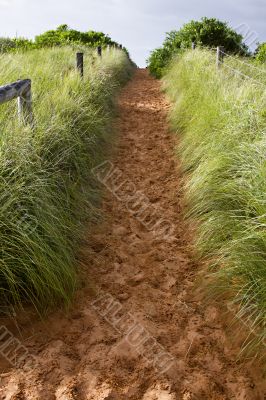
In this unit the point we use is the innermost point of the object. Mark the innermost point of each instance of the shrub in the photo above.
(6, 44)
(61, 36)
(158, 61)
(208, 32)
(261, 53)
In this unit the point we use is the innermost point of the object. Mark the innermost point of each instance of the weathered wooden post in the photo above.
(25, 113)
(80, 64)
(219, 56)
(99, 51)
(193, 45)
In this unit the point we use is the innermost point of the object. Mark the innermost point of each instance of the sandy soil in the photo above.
(136, 330)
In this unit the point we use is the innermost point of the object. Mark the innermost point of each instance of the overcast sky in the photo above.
(140, 25)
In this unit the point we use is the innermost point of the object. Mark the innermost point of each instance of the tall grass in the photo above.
(221, 118)
(48, 194)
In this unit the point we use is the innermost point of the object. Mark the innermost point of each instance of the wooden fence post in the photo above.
(80, 64)
(219, 56)
(25, 114)
(193, 45)
(99, 51)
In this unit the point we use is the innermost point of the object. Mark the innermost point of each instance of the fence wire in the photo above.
(237, 71)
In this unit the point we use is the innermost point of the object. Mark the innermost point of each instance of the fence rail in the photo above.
(14, 90)
(21, 90)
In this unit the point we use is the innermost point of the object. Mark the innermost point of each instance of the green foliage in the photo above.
(7, 45)
(208, 32)
(159, 60)
(222, 122)
(261, 53)
(24, 44)
(61, 36)
(48, 193)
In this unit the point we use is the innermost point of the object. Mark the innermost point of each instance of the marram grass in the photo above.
(221, 118)
(47, 192)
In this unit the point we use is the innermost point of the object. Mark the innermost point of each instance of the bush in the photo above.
(6, 45)
(261, 53)
(222, 120)
(158, 61)
(48, 194)
(208, 32)
(61, 36)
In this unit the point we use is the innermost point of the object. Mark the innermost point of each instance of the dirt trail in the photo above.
(89, 354)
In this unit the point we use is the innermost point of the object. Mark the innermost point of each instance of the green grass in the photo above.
(48, 194)
(221, 120)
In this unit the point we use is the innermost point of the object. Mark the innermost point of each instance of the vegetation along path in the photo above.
(136, 329)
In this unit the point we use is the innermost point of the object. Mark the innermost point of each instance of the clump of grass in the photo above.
(48, 194)
(221, 117)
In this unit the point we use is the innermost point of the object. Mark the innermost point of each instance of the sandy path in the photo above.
(157, 342)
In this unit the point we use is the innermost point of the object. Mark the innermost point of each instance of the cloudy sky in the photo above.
(139, 24)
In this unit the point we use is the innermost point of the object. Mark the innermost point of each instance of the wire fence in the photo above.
(221, 57)
(236, 71)
(244, 63)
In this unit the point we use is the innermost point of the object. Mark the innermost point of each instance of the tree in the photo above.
(209, 32)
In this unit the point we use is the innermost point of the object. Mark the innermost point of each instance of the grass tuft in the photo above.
(221, 118)
(47, 192)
